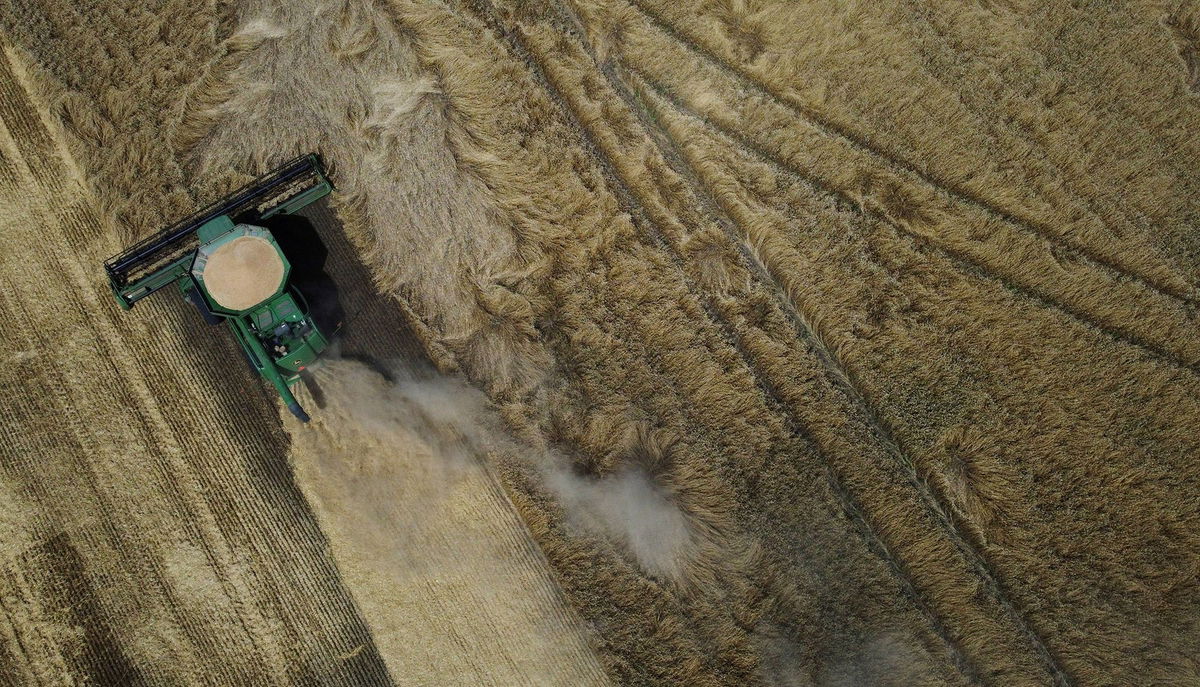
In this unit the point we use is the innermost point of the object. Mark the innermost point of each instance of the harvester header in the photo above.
(233, 270)
(285, 190)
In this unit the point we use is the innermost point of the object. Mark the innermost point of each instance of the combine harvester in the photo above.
(232, 269)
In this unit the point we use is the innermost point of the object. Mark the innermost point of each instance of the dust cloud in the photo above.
(449, 426)
(631, 510)
(20, 357)
(442, 567)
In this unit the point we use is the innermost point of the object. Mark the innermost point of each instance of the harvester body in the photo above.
(235, 272)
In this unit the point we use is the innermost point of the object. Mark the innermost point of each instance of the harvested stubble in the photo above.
(895, 302)
(150, 531)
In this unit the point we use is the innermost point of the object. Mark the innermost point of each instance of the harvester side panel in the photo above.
(265, 365)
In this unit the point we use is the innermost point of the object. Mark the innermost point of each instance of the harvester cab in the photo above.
(233, 270)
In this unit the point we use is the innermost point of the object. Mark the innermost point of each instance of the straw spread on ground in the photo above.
(885, 312)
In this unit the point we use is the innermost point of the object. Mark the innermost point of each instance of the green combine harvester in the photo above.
(231, 267)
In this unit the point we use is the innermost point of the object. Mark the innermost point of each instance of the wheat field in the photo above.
(696, 343)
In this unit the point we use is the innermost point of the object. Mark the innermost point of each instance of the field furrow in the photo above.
(1045, 276)
(845, 379)
(839, 489)
(781, 280)
(201, 525)
(1140, 266)
(838, 372)
(778, 236)
(144, 444)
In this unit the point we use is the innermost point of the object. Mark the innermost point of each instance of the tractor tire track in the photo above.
(839, 373)
(1123, 305)
(1088, 255)
(926, 25)
(847, 502)
(966, 262)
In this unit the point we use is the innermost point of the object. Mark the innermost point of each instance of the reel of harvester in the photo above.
(233, 270)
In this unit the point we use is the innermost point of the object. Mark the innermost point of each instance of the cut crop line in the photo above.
(62, 400)
(969, 264)
(550, 592)
(32, 142)
(774, 399)
(296, 524)
(16, 452)
(22, 594)
(115, 537)
(223, 481)
(840, 374)
(195, 524)
(858, 140)
(8, 173)
(216, 544)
